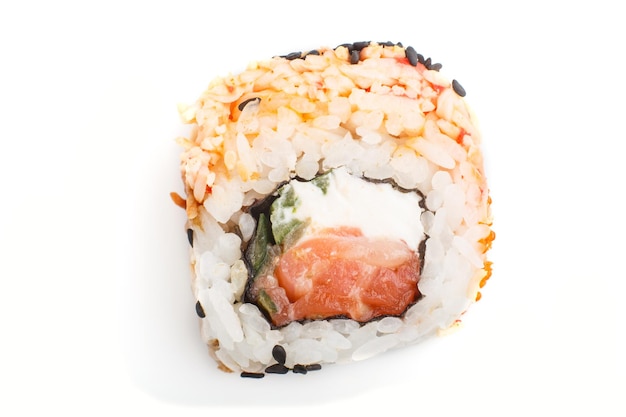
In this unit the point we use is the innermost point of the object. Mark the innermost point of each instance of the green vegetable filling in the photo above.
(265, 301)
(287, 234)
(285, 227)
(257, 251)
(276, 231)
(322, 182)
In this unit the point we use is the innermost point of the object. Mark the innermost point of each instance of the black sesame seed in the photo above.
(313, 52)
(313, 367)
(190, 237)
(458, 88)
(293, 55)
(427, 63)
(200, 310)
(355, 56)
(436, 67)
(411, 55)
(399, 44)
(420, 59)
(277, 368)
(256, 375)
(388, 43)
(360, 45)
(278, 353)
(243, 104)
(299, 369)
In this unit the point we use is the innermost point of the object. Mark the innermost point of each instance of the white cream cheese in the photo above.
(377, 209)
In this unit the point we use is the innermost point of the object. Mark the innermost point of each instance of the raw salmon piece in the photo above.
(340, 272)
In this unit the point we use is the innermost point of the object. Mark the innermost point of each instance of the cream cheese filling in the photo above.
(342, 200)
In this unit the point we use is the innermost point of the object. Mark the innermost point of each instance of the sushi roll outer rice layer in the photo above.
(337, 207)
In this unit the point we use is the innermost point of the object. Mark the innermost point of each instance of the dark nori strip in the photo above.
(190, 237)
(200, 310)
(243, 104)
(299, 369)
(395, 186)
(458, 88)
(256, 375)
(421, 253)
(277, 368)
(263, 206)
(411, 55)
(355, 57)
(422, 202)
(278, 353)
(313, 367)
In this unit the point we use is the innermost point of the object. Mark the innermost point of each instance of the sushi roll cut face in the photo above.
(337, 245)
(337, 207)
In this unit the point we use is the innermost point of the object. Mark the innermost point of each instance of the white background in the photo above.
(96, 310)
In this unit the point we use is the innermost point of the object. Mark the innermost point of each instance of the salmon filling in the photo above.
(342, 273)
(307, 266)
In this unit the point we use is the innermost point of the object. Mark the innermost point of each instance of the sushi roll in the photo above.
(337, 207)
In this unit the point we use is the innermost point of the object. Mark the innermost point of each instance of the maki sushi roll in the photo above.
(337, 207)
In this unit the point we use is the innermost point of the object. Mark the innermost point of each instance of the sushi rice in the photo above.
(378, 113)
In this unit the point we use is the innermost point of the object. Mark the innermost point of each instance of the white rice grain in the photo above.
(375, 346)
(223, 202)
(212, 269)
(316, 329)
(335, 340)
(230, 323)
(292, 331)
(307, 168)
(246, 225)
(454, 202)
(329, 122)
(433, 153)
(344, 326)
(238, 277)
(465, 248)
(389, 325)
(228, 248)
(303, 350)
